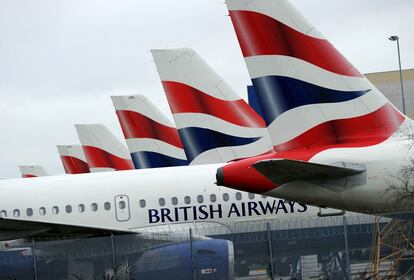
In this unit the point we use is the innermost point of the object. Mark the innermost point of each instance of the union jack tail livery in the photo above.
(30, 171)
(73, 159)
(310, 95)
(103, 151)
(214, 123)
(152, 139)
(338, 140)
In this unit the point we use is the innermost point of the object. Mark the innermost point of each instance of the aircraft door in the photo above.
(122, 208)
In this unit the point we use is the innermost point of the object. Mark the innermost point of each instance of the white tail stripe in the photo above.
(35, 170)
(299, 120)
(216, 124)
(187, 67)
(226, 154)
(101, 169)
(141, 105)
(97, 135)
(154, 145)
(72, 151)
(286, 66)
(280, 10)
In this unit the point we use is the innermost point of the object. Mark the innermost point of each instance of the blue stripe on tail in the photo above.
(277, 94)
(198, 140)
(153, 160)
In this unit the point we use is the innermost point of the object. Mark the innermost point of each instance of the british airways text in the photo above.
(215, 211)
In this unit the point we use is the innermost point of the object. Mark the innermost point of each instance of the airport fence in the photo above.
(314, 248)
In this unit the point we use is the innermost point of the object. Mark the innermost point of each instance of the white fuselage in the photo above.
(140, 199)
(389, 169)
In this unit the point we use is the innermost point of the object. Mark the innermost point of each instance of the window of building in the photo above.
(142, 203)
(187, 200)
(226, 197)
(29, 212)
(81, 208)
(238, 196)
(94, 207)
(251, 195)
(200, 199)
(68, 209)
(161, 201)
(107, 206)
(55, 210)
(16, 213)
(3, 213)
(174, 201)
(42, 211)
(213, 197)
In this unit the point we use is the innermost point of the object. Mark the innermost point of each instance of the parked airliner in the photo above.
(339, 142)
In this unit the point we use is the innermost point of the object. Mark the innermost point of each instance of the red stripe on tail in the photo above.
(186, 99)
(98, 158)
(259, 34)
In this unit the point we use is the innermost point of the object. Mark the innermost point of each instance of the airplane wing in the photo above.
(281, 171)
(17, 228)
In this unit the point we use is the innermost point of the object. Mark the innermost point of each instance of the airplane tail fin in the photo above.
(30, 171)
(152, 139)
(103, 151)
(73, 159)
(311, 96)
(214, 123)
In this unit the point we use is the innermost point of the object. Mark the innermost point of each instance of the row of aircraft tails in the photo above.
(318, 133)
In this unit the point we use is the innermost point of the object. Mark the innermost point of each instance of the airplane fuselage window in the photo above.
(42, 211)
(187, 200)
(94, 207)
(213, 197)
(29, 212)
(68, 209)
(226, 197)
(16, 213)
(122, 205)
(55, 210)
(142, 203)
(174, 201)
(161, 201)
(81, 208)
(107, 206)
(238, 196)
(264, 196)
(251, 195)
(200, 199)
(3, 213)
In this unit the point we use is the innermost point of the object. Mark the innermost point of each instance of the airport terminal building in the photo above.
(389, 84)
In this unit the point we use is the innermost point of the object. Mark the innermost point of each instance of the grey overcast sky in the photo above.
(60, 60)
